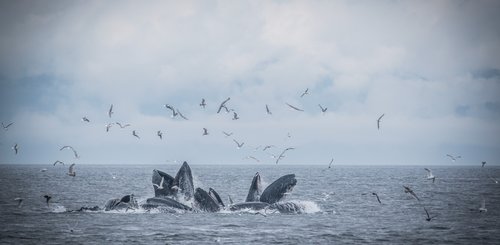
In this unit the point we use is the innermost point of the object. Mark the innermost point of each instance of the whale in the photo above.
(204, 202)
(181, 185)
(165, 203)
(276, 190)
(168, 183)
(126, 202)
(184, 181)
(255, 189)
(249, 205)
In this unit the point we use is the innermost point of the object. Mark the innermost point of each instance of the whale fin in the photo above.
(276, 190)
(255, 189)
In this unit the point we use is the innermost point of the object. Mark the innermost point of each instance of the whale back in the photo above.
(255, 189)
(184, 181)
(276, 190)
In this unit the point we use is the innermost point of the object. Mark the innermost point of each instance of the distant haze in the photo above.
(432, 67)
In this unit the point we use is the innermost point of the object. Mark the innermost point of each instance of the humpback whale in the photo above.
(205, 202)
(181, 184)
(216, 197)
(184, 181)
(166, 187)
(255, 189)
(126, 202)
(155, 202)
(276, 190)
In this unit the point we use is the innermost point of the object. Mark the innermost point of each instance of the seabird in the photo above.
(122, 125)
(429, 175)
(482, 164)
(378, 121)
(56, 162)
(322, 109)
(15, 148)
(43, 170)
(174, 113)
(160, 134)
(235, 116)
(267, 147)
(293, 107)
(453, 158)
(110, 112)
(47, 199)
(85, 119)
(135, 134)
(227, 134)
(408, 190)
(160, 187)
(19, 201)
(305, 92)
(71, 171)
(283, 154)
(238, 144)
(429, 218)
(494, 180)
(180, 114)
(69, 147)
(205, 131)
(378, 199)
(252, 157)
(330, 164)
(223, 105)
(202, 104)
(268, 111)
(6, 127)
(108, 126)
(483, 209)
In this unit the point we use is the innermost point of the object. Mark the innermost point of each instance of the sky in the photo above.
(431, 67)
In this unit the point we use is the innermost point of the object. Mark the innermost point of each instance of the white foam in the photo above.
(58, 209)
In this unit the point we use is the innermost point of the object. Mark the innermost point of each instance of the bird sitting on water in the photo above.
(71, 171)
(429, 175)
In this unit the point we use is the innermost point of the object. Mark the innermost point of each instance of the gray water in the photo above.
(336, 209)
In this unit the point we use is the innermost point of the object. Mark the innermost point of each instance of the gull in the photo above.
(69, 147)
(252, 157)
(378, 199)
(43, 170)
(160, 187)
(71, 171)
(268, 111)
(174, 113)
(6, 127)
(180, 114)
(408, 190)
(429, 175)
(293, 107)
(108, 126)
(283, 154)
(15, 148)
(267, 147)
(19, 201)
(494, 180)
(202, 104)
(322, 109)
(56, 162)
(235, 116)
(160, 134)
(205, 131)
(239, 144)
(429, 218)
(453, 158)
(483, 209)
(85, 119)
(223, 105)
(482, 164)
(122, 125)
(110, 112)
(305, 92)
(378, 121)
(330, 164)
(227, 134)
(47, 199)
(135, 134)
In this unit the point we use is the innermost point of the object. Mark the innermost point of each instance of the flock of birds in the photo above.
(224, 107)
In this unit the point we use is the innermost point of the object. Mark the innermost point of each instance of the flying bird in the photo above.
(235, 116)
(47, 199)
(108, 126)
(378, 199)
(19, 201)
(293, 107)
(330, 164)
(322, 109)
(453, 158)
(205, 131)
(252, 157)
(122, 125)
(71, 170)
(223, 105)
(56, 162)
(6, 127)
(15, 148)
(282, 155)
(202, 104)
(69, 147)
(429, 175)
(135, 134)
(227, 134)
(267, 147)
(378, 121)
(160, 134)
(305, 92)
(160, 187)
(110, 112)
(239, 145)
(180, 114)
(85, 119)
(408, 190)
(174, 112)
(429, 218)
(268, 111)
(482, 164)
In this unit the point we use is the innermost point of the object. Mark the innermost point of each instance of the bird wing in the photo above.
(381, 117)
(180, 114)
(236, 142)
(71, 168)
(223, 104)
(110, 110)
(428, 216)
(293, 107)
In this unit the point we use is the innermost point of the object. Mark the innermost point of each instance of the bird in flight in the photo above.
(408, 190)
(268, 111)
(293, 107)
(223, 105)
(203, 104)
(378, 121)
(85, 119)
(282, 155)
(205, 131)
(267, 147)
(330, 164)
(108, 126)
(160, 187)
(19, 201)
(482, 164)
(160, 134)
(453, 158)
(56, 162)
(73, 149)
(174, 113)
(235, 116)
(322, 109)
(239, 144)
(135, 134)
(429, 218)
(6, 127)
(15, 148)
(305, 92)
(429, 175)
(252, 157)
(122, 125)
(227, 134)
(71, 171)
(110, 112)
(47, 199)
(180, 114)
(378, 199)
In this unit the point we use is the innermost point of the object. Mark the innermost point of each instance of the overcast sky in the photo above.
(432, 67)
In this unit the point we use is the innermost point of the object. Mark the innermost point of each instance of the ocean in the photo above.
(339, 206)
